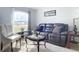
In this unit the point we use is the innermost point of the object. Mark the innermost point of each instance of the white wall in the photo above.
(63, 15)
(5, 15)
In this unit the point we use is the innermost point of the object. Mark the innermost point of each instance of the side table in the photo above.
(70, 34)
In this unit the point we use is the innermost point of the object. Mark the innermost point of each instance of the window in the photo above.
(20, 21)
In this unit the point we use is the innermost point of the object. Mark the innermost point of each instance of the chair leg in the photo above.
(11, 47)
(16, 42)
(27, 47)
(1, 45)
(46, 40)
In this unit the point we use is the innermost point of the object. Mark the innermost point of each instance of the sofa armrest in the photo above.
(64, 37)
(63, 33)
(54, 35)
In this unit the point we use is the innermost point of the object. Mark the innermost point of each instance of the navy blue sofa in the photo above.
(57, 36)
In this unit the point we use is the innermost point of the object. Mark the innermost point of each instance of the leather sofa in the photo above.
(56, 32)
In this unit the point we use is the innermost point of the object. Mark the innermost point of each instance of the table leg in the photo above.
(11, 47)
(26, 40)
(20, 42)
(38, 46)
(26, 44)
(45, 44)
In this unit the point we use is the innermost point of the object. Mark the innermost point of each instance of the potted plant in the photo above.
(75, 29)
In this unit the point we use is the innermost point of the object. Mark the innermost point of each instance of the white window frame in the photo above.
(13, 20)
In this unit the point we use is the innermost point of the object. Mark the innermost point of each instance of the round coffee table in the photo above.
(36, 38)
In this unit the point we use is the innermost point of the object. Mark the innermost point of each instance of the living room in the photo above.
(36, 16)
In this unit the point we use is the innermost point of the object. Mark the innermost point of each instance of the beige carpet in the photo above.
(75, 46)
(33, 48)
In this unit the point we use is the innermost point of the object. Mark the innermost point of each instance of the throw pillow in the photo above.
(57, 29)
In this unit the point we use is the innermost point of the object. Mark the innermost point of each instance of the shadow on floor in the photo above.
(14, 50)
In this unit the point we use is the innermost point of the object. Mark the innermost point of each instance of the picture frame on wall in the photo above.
(50, 13)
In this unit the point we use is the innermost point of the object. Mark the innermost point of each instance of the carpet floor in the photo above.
(33, 48)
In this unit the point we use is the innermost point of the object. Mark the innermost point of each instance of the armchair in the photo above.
(4, 41)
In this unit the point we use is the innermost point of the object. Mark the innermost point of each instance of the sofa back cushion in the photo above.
(41, 27)
(49, 27)
(64, 26)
